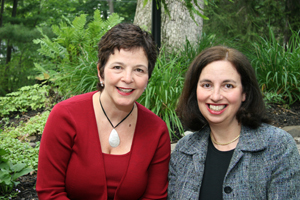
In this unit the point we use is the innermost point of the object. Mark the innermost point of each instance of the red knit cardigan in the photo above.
(71, 162)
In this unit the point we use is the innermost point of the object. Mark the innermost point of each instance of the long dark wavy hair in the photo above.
(252, 110)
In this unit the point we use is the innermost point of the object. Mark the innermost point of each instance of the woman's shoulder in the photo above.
(152, 127)
(192, 141)
(151, 117)
(78, 103)
(195, 135)
(77, 100)
(275, 136)
(272, 131)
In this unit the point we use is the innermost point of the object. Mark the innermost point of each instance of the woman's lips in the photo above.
(125, 91)
(216, 109)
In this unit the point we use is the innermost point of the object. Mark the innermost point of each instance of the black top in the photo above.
(216, 165)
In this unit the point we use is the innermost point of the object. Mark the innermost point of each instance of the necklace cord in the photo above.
(109, 119)
(223, 144)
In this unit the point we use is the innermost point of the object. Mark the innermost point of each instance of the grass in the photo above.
(164, 89)
(278, 68)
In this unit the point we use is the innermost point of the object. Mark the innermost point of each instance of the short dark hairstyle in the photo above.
(128, 37)
(252, 110)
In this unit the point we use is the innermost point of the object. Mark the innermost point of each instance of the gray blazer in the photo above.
(264, 165)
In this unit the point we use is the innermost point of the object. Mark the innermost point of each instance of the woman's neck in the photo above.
(112, 110)
(226, 135)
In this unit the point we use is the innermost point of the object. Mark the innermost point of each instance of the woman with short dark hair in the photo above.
(103, 144)
(233, 153)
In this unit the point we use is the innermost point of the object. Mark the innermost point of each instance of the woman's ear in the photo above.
(98, 70)
(244, 97)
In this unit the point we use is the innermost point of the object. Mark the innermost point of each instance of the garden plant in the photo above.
(70, 66)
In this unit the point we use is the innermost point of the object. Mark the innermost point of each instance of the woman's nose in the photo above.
(127, 77)
(216, 95)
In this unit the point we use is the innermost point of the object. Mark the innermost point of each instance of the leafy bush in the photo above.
(16, 140)
(35, 125)
(278, 67)
(9, 173)
(20, 152)
(73, 53)
(190, 51)
(26, 98)
(163, 90)
(273, 97)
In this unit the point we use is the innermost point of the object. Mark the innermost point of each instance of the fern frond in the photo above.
(74, 51)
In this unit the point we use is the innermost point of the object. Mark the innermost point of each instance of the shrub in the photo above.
(25, 99)
(163, 90)
(35, 125)
(73, 53)
(20, 152)
(9, 173)
(15, 140)
(277, 67)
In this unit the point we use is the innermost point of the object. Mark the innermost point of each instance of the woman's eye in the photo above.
(206, 85)
(140, 70)
(117, 67)
(229, 86)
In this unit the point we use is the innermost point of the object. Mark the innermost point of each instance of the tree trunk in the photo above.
(111, 6)
(1, 19)
(9, 46)
(143, 15)
(180, 27)
(1, 13)
(174, 29)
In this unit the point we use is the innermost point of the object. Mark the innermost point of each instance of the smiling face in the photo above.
(220, 93)
(125, 77)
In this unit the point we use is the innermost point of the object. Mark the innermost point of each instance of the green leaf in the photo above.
(21, 173)
(18, 167)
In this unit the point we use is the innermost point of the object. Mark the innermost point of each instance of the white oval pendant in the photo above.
(114, 139)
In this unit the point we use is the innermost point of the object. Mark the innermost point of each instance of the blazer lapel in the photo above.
(196, 147)
(250, 140)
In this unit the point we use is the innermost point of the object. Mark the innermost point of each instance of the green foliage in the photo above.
(14, 76)
(20, 152)
(16, 48)
(278, 67)
(164, 89)
(18, 54)
(26, 98)
(125, 9)
(9, 173)
(273, 97)
(190, 51)
(34, 126)
(16, 140)
(243, 19)
(73, 52)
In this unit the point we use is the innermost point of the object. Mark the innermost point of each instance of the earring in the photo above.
(101, 83)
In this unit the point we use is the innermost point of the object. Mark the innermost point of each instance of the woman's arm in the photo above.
(54, 154)
(285, 178)
(172, 175)
(158, 170)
